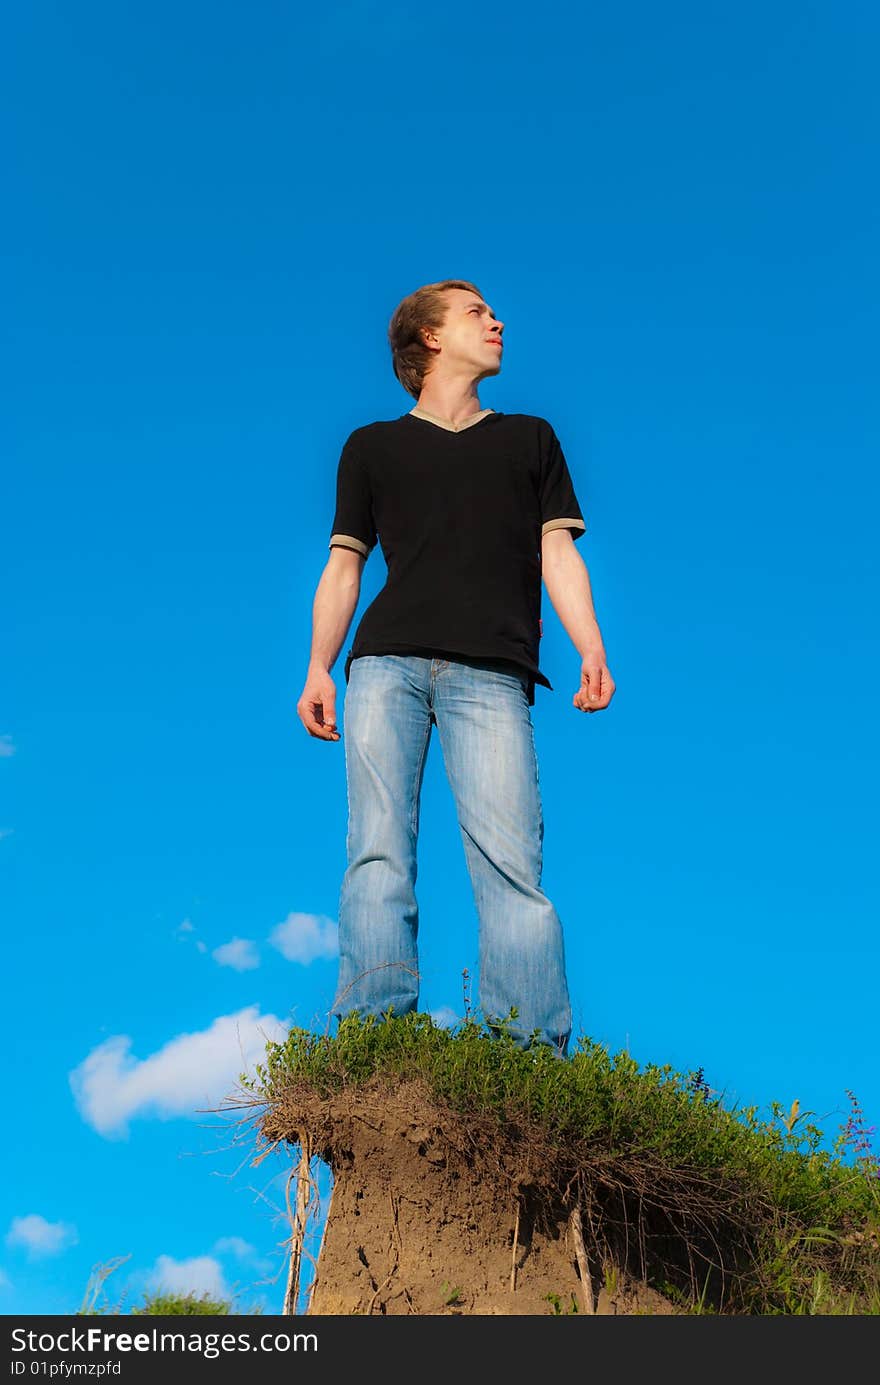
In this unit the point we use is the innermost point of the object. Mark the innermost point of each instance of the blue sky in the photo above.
(211, 216)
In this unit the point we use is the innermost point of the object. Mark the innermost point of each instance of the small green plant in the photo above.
(153, 1305)
(452, 1294)
(162, 1305)
(556, 1308)
(698, 1307)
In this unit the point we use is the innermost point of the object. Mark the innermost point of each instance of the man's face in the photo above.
(470, 338)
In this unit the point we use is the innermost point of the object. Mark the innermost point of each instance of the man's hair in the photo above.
(426, 307)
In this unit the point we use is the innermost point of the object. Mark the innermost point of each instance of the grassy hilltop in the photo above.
(720, 1210)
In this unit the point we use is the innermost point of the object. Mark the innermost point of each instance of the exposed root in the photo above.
(577, 1236)
(298, 1219)
(515, 1249)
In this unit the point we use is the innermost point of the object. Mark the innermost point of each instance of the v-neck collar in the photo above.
(444, 422)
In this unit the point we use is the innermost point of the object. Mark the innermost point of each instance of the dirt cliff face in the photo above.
(435, 1214)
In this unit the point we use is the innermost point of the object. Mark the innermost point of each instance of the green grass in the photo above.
(781, 1224)
(96, 1301)
(166, 1305)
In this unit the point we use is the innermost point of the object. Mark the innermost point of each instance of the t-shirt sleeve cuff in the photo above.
(347, 541)
(577, 524)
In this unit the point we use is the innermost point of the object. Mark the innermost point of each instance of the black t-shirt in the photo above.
(459, 516)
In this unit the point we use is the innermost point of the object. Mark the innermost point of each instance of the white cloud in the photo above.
(39, 1237)
(185, 926)
(200, 1275)
(243, 1250)
(240, 954)
(305, 937)
(6, 746)
(190, 1074)
(445, 1017)
(234, 1245)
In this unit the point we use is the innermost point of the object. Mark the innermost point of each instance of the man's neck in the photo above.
(451, 402)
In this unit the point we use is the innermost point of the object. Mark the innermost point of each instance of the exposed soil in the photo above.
(433, 1215)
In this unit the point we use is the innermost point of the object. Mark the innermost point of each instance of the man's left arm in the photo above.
(568, 586)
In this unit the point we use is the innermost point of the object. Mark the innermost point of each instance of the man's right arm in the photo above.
(335, 603)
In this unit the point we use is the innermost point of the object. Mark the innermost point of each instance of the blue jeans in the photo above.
(485, 727)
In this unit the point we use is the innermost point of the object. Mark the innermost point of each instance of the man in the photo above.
(471, 507)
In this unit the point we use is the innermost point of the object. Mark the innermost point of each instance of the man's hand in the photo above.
(317, 706)
(597, 685)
